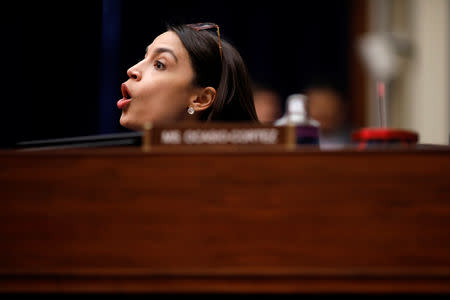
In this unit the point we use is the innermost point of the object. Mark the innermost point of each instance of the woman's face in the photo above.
(160, 86)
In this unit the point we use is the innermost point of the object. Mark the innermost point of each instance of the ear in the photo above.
(204, 99)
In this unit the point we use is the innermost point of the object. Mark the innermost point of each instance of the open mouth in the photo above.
(125, 92)
(123, 103)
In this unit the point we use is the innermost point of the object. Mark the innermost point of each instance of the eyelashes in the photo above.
(158, 65)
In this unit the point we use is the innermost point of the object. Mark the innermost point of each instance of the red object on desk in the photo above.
(365, 136)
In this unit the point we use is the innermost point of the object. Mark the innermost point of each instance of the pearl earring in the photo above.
(190, 110)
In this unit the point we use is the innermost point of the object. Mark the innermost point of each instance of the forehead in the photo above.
(170, 40)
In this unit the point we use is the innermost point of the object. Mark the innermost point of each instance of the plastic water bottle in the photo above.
(306, 129)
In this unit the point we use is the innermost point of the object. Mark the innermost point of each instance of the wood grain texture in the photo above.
(119, 220)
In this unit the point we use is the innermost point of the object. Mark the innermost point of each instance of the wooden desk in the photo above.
(119, 220)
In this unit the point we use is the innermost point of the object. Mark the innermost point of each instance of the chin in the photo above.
(125, 122)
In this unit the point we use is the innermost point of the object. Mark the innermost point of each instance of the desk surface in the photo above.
(120, 220)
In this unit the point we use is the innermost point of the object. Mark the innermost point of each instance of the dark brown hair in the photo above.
(227, 74)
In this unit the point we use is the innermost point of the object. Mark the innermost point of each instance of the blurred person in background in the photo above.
(327, 106)
(268, 103)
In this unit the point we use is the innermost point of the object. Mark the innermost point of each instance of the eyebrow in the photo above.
(162, 50)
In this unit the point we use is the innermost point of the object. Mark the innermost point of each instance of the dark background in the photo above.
(63, 62)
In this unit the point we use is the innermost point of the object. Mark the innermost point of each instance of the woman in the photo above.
(188, 73)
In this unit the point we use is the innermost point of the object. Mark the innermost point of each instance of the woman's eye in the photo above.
(159, 65)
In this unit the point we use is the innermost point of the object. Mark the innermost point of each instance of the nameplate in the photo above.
(218, 134)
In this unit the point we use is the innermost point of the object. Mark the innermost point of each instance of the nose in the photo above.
(134, 73)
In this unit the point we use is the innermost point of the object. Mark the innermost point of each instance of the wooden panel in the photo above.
(281, 222)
